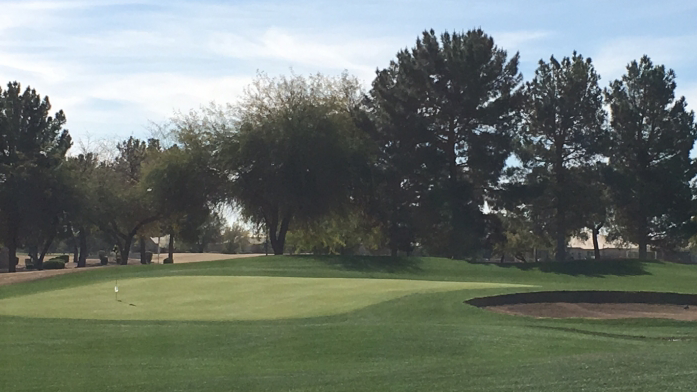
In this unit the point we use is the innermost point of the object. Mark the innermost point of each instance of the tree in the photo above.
(336, 234)
(562, 135)
(199, 231)
(295, 152)
(443, 115)
(32, 146)
(232, 238)
(651, 139)
(184, 187)
(82, 212)
(123, 205)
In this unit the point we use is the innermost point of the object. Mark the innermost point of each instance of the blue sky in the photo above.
(115, 66)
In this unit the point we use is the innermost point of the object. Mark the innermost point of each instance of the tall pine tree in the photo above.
(652, 135)
(562, 135)
(445, 112)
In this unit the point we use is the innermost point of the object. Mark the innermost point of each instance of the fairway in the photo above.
(222, 298)
(338, 324)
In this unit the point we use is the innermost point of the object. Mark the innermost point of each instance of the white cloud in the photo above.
(112, 65)
(518, 40)
(611, 60)
(359, 55)
(690, 94)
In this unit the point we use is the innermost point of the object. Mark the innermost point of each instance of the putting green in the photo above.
(222, 297)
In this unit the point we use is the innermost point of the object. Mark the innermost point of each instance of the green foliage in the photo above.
(520, 238)
(33, 145)
(64, 258)
(652, 136)
(561, 140)
(103, 258)
(199, 230)
(55, 263)
(233, 238)
(336, 234)
(442, 115)
(124, 207)
(296, 153)
(167, 260)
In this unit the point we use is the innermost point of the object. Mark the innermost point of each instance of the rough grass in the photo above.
(427, 341)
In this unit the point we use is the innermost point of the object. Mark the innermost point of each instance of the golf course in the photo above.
(307, 323)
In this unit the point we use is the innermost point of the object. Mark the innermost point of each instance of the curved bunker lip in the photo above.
(593, 304)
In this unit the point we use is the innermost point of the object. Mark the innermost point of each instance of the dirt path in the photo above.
(599, 311)
(24, 276)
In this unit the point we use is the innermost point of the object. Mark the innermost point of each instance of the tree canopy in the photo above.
(443, 114)
(562, 137)
(448, 154)
(651, 139)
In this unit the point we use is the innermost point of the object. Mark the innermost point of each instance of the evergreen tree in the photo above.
(443, 115)
(562, 136)
(652, 135)
(32, 146)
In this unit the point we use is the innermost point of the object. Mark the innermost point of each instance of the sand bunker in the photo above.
(593, 304)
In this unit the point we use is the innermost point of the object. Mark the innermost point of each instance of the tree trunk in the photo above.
(170, 249)
(82, 261)
(40, 260)
(126, 249)
(596, 248)
(76, 251)
(643, 239)
(561, 205)
(278, 239)
(642, 248)
(143, 259)
(73, 242)
(282, 235)
(12, 253)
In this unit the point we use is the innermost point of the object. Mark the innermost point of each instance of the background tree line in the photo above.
(449, 153)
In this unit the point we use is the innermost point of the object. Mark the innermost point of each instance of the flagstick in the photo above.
(116, 291)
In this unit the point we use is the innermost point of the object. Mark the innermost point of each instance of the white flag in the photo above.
(116, 289)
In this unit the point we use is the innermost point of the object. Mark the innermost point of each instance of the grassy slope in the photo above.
(429, 342)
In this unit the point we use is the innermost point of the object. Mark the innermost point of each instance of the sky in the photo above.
(116, 67)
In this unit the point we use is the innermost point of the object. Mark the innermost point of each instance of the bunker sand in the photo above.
(599, 311)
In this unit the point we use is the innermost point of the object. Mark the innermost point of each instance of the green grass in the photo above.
(392, 335)
(222, 297)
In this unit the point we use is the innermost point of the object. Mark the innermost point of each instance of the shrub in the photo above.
(28, 264)
(63, 258)
(103, 258)
(168, 261)
(54, 263)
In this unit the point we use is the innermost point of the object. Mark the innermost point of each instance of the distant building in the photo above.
(580, 249)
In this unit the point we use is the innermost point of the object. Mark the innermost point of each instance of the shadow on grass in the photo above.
(591, 268)
(373, 263)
